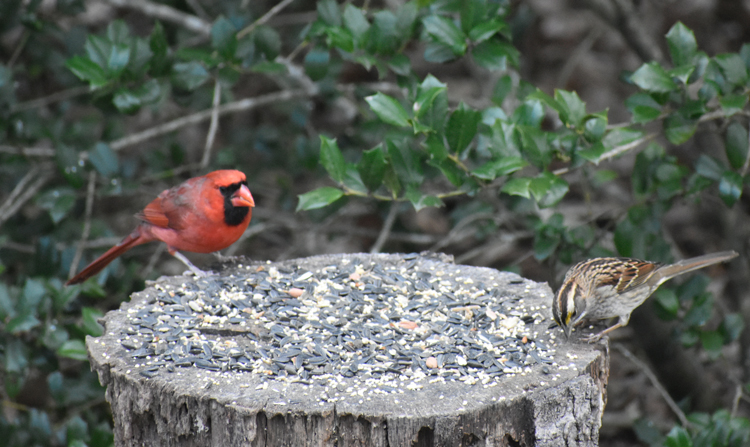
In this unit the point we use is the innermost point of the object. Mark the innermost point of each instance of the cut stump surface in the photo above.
(348, 350)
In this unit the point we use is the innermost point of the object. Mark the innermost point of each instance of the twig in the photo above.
(626, 147)
(294, 18)
(15, 405)
(49, 99)
(198, 8)
(251, 231)
(19, 188)
(614, 152)
(86, 224)
(27, 151)
(298, 73)
(310, 89)
(103, 242)
(572, 62)
(293, 54)
(21, 248)
(384, 87)
(25, 197)
(19, 48)
(71, 413)
(655, 382)
(195, 118)
(214, 127)
(495, 249)
(736, 402)
(264, 18)
(453, 234)
(23, 193)
(169, 173)
(166, 13)
(153, 260)
(96, 243)
(387, 227)
(621, 15)
(746, 165)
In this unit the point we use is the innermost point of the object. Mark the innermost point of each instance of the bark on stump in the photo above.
(555, 397)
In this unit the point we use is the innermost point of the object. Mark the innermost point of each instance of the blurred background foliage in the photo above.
(518, 135)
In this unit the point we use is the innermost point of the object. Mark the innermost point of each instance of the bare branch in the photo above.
(198, 8)
(214, 127)
(387, 227)
(196, 118)
(384, 87)
(736, 402)
(746, 165)
(309, 89)
(103, 242)
(19, 48)
(614, 152)
(49, 99)
(295, 18)
(169, 173)
(298, 73)
(21, 248)
(264, 18)
(166, 13)
(19, 188)
(11, 207)
(251, 231)
(153, 260)
(490, 251)
(28, 151)
(655, 382)
(455, 231)
(86, 224)
(622, 15)
(580, 51)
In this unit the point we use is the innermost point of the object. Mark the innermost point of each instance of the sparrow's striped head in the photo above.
(568, 307)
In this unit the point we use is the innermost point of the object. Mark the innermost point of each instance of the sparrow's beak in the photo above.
(567, 329)
(243, 197)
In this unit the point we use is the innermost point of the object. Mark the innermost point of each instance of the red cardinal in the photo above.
(202, 215)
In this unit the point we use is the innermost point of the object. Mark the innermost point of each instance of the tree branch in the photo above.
(49, 99)
(166, 13)
(27, 151)
(196, 118)
(264, 18)
(214, 127)
(86, 224)
(22, 194)
(614, 152)
(386, 230)
(655, 382)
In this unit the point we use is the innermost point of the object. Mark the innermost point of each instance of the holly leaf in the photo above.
(372, 168)
(318, 198)
(332, 159)
(388, 109)
(445, 32)
(653, 78)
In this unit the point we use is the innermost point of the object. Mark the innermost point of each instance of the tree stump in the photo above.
(348, 350)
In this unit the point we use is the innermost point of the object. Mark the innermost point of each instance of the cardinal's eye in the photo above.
(223, 189)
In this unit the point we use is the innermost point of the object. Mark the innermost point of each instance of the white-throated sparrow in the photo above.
(602, 288)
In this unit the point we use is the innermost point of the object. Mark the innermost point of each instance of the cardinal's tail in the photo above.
(130, 241)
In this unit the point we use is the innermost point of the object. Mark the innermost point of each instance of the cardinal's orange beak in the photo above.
(243, 197)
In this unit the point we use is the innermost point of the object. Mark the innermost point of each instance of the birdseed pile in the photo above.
(362, 318)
